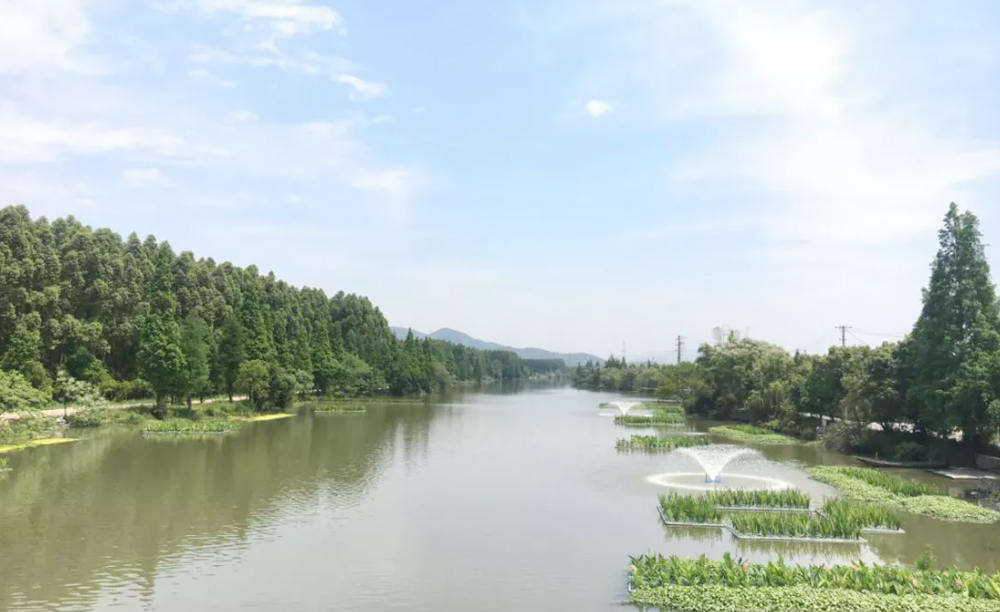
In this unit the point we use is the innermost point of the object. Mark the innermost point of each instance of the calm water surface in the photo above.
(485, 502)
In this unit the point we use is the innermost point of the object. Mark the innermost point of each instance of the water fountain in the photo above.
(623, 406)
(713, 461)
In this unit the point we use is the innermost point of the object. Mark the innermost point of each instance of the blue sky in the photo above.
(561, 174)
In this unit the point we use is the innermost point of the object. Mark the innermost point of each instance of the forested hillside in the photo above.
(137, 319)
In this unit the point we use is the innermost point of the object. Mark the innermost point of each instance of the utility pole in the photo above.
(843, 333)
(680, 347)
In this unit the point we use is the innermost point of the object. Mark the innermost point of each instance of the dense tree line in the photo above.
(944, 377)
(136, 319)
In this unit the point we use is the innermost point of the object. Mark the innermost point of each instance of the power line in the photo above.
(883, 335)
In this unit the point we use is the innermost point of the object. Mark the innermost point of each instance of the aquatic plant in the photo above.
(800, 598)
(689, 508)
(10, 448)
(4, 462)
(660, 418)
(655, 571)
(786, 498)
(862, 514)
(184, 426)
(858, 483)
(794, 524)
(751, 434)
(888, 481)
(656, 443)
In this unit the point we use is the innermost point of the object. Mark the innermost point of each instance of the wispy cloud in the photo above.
(141, 177)
(597, 108)
(362, 89)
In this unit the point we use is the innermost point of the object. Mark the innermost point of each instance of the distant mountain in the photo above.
(457, 337)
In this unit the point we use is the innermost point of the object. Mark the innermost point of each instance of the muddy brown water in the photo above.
(479, 501)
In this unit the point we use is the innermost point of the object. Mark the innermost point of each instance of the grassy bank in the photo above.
(656, 443)
(700, 584)
(872, 485)
(751, 434)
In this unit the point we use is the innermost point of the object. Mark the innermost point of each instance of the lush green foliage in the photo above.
(654, 571)
(953, 350)
(751, 434)
(110, 311)
(689, 508)
(941, 506)
(27, 427)
(16, 393)
(939, 380)
(785, 498)
(656, 443)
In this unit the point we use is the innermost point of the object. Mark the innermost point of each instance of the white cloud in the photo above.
(597, 108)
(282, 19)
(27, 139)
(37, 36)
(395, 183)
(141, 177)
(362, 89)
(244, 116)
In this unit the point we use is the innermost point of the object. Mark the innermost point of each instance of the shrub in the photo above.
(17, 394)
(94, 416)
(133, 389)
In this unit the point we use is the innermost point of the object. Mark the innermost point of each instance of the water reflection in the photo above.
(112, 508)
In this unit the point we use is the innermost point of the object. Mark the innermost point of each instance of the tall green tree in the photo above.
(955, 340)
(161, 360)
(230, 353)
(195, 338)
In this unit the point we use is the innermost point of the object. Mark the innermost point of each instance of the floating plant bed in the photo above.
(733, 584)
(656, 443)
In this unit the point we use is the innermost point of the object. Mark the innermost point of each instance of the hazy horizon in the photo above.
(565, 176)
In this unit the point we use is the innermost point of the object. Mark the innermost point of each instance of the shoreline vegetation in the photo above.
(212, 417)
(930, 397)
(702, 585)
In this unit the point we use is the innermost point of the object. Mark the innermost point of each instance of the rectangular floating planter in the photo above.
(763, 509)
(783, 538)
